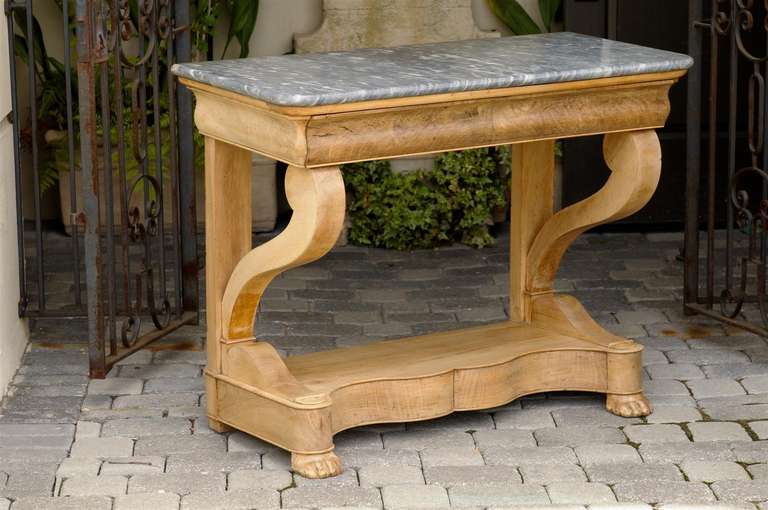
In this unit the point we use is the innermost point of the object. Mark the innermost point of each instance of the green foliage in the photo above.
(242, 22)
(514, 16)
(56, 158)
(423, 209)
(50, 75)
(203, 23)
(517, 19)
(548, 10)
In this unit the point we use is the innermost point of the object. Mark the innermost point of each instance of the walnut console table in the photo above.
(318, 111)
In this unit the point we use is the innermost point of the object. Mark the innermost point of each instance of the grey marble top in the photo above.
(424, 69)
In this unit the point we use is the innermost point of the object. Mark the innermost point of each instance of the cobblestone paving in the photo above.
(139, 440)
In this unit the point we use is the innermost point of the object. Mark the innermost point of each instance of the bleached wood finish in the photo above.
(531, 203)
(318, 203)
(346, 137)
(550, 341)
(228, 238)
(318, 136)
(635, 161)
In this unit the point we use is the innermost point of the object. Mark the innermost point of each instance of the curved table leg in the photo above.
(318, 202)
(542, 238)
(247, 382)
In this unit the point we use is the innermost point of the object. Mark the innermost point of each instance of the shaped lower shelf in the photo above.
(463, 369)
(299, 402)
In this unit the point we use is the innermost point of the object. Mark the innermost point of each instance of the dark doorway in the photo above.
(659, 24)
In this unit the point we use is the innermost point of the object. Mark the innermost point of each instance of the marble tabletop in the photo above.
(424, 69)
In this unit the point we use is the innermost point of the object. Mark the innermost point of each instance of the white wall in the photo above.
(13, 331)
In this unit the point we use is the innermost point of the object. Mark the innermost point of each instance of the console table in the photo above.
(318, 111)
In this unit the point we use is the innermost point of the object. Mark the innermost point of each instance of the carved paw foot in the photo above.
(321, 465)
(628, 406)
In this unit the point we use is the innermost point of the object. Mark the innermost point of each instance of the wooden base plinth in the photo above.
(433, 375)
(424, 377)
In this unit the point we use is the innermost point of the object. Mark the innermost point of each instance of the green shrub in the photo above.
(423, 209)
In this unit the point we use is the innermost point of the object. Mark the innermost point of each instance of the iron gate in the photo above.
(726, 279)
(109, 122)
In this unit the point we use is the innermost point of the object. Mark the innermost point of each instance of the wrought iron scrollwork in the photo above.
(105, 33)
(736, 268)
(129, 35)
(745, 22)
(114, 89)
(147, 29)
(747, 187)
(142, 228)
(164, 22)
(752, 221)
(721, 18)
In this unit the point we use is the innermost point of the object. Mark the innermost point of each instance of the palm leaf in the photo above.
(514, 16)
(41, 55)
(20, 48)
(243, 20)
(548, 10)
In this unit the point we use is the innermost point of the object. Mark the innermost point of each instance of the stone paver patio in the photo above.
(139, 440)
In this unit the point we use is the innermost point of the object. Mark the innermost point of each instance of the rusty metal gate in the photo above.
(107, 125)
(727, 184)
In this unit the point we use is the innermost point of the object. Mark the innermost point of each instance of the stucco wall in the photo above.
(280, 19)
(13, 331)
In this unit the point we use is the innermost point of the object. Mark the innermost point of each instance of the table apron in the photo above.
(337, 138)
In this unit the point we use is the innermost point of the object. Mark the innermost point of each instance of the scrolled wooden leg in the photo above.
(316, 465)
(635, 161)
(317, 198)
(247, 382)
